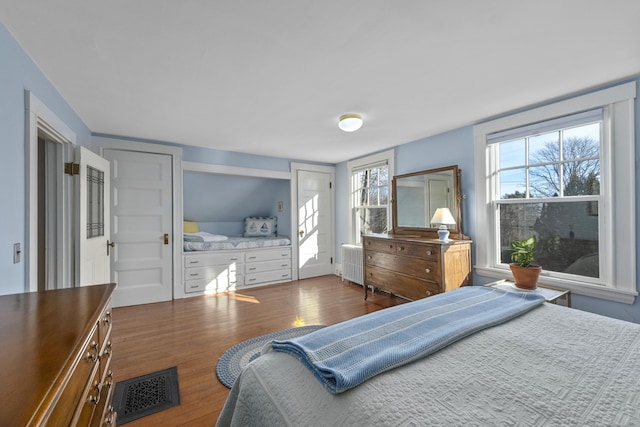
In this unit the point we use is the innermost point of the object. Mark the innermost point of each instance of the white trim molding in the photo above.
(618, 231)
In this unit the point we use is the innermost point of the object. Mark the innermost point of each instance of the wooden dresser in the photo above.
(415, 267)
(55, 357)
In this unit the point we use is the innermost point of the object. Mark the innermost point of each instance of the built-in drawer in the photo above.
(218, 258)
(267, 255)
(379, 245)
(259, 267)
(90, 400)
(211, 271)
(399, 284)
(214, 284)
(268, 276)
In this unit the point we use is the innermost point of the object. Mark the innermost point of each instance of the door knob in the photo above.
(110, 245)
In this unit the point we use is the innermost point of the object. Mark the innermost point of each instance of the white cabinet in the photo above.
(221, 271)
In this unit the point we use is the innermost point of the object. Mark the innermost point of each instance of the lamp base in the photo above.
(443, 233)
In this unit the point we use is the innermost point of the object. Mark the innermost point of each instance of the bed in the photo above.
(549, 366)
(219, 263)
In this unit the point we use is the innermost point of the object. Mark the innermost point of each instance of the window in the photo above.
(370, 195)
(563, 173)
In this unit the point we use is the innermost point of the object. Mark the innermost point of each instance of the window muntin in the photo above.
(549, 187)
(616, 195)
(370, 199)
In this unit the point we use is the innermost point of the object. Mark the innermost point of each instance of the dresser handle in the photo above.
(110, 418)
(401, 248)
(91, 357)
(107, 318)
(95, 399)
(428, 293)
(429, 252)
(427, 270)
(108, 350)
(194, 262)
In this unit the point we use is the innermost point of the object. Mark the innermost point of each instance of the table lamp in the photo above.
(443, 217)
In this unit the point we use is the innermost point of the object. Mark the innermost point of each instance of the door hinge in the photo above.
(331, 260)
(72, 168)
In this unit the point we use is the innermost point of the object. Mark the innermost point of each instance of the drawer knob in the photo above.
(429, 252)
(111, 417)
(108, 351)
(401, 248)
(107, 318)
(427, 270)
(428, 293)
(91, 357)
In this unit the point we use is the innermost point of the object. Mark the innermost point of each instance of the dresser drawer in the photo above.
(70, 401)
(259, 267)
(379, 245)
(268, 255)
(400, 284)
(90, 400)
(421, 268)
(429, 252)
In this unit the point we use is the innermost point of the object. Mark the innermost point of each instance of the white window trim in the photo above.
(619, 239)
(389, 157)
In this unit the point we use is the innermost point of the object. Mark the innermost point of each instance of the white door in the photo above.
(314, 224)
(94, 221)
(142, 215)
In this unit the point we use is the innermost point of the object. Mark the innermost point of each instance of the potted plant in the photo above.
(525, 273)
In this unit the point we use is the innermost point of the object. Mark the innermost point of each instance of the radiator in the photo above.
(352, 263)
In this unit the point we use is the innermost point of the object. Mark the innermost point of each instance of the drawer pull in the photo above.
(194, 262)
(401, 248)
(252, 268)
(95, 399)
(427, 270)
(233, 259)
(107, 318)
(284, 255)
(108, 351)
(252, 257)
(429, 253)
(428, 293)
(252, 280)
(111, 417)
(194, 274)
(91, 357)
(109, 379)
(284, 265)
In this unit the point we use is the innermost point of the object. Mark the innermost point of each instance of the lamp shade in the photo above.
(350, 122)
(443, 216)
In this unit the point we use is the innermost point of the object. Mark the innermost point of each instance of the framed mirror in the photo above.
(416, 197)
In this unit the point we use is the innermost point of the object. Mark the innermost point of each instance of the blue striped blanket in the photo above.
(346, 354)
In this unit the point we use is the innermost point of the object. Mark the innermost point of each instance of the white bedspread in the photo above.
(550, 367)
(238, 243)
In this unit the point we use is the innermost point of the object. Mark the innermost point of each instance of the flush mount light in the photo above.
(350, 122)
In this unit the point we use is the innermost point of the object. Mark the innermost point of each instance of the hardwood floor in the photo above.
(193, 333)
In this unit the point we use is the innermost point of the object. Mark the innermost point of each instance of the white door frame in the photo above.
(295, 167)
(176, 164)
(39, 117)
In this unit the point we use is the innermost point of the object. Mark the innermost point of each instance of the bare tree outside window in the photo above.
(550, 185)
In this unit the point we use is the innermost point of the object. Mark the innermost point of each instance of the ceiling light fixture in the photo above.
(350, 122)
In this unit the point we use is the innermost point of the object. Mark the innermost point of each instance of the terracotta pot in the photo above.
(526, 277)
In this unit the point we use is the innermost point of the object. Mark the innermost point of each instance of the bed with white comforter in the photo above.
(551, 366)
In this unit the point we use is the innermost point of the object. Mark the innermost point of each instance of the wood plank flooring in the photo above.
(193, 333)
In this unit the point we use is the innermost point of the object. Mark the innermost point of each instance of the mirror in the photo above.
(417, 195)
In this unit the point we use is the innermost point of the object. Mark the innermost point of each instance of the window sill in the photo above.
(577, 288)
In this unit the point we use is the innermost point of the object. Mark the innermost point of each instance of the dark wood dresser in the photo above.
(54, 358)
(415, 267)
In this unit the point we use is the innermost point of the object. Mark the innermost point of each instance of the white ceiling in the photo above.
(272, 77)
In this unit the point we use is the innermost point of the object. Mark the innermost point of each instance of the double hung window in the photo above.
(370, 195)
(564, 174)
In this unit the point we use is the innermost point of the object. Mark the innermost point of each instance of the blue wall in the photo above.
(18, 74)
(220, 202)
